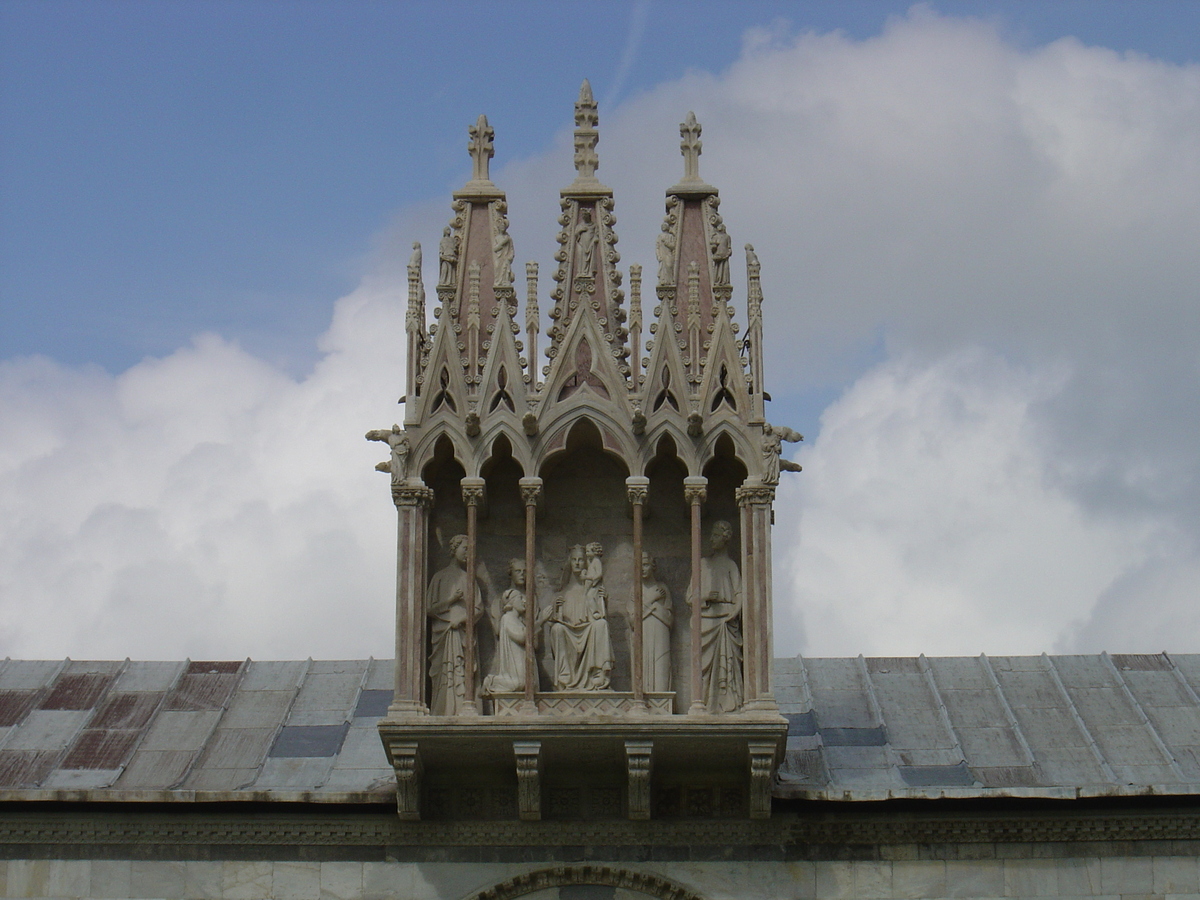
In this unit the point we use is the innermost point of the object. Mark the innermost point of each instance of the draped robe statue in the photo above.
(657, 618)
(721, 624)
(508, 665)
(579, 641)
(446, 606)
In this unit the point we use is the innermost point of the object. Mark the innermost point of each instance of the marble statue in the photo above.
(664, 252)
(594, 553)
(397, 441)
(753, 267)
(720, 598)
(585, 245)
(657, 618)
(772, 448)
(447, 257)
(580, 646)
(508, 665)
(414, 261)
(446, 607)
(502, 253)
(721, 246)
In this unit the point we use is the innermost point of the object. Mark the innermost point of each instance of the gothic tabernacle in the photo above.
(585, 547)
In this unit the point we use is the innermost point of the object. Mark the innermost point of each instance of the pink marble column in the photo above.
(695, 489)
(472, 492)
(638, 488)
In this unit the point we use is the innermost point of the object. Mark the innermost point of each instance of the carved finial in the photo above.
(690, 146)
(586, 135)
(480, 148)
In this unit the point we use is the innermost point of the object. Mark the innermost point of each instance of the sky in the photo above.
(978, 225)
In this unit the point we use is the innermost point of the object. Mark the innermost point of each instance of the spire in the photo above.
(586, 137)
(481, 149)
(690, 146)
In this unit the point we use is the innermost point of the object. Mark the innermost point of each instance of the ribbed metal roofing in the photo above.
(859, 729)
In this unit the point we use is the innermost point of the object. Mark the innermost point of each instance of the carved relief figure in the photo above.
(721, 624)
(447, 257)
(446, 606)
(772, 447)
(594, 552)
(397, 440)
(664, 252)
(579, 640)
(502, 253)
(585, 245)
(508, 665)
(722, 248)
(657, 619)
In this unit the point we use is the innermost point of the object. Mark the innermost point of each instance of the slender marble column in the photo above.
(755, 501)
(472, 491)
(531, 490)
(412, 502)
(638, 487)
(695, 489)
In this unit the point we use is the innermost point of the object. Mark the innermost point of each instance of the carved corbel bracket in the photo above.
(762, 776)
(407, 763)
(529, 422)
(638, 760)
(529, 779)
(695, 425)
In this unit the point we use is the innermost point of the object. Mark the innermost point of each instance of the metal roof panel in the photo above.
(29, 674)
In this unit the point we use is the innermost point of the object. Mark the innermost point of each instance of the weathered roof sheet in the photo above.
(860, 729)
(1034, 726)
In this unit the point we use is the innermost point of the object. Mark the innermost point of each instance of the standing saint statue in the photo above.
(657, 618)
(502, 253)
(664, 252)
(720, 598)
(508, 665)
(772, 450)
(447, 257)
(397, 441)
(722, 248)
(579, 641)
(585, 246)
(446, 606)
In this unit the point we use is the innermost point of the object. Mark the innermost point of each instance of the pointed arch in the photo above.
(644, 883)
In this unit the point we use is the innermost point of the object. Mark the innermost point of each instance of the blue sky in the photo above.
(169, 168)
(977, 224)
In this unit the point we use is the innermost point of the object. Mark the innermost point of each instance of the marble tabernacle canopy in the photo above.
(584, 552)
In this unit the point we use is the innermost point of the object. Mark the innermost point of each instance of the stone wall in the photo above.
(1157, 872)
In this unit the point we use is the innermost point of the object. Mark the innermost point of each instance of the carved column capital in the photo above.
(638, 760)
(472, 490)
(407, 494)
(695, 489)
(755, 495)
(529, 779)
(638, 488)
(531, 490)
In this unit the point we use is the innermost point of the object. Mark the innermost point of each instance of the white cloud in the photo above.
(929, 521)
(205, 503)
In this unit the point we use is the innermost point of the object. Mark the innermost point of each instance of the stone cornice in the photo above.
(82, 829)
